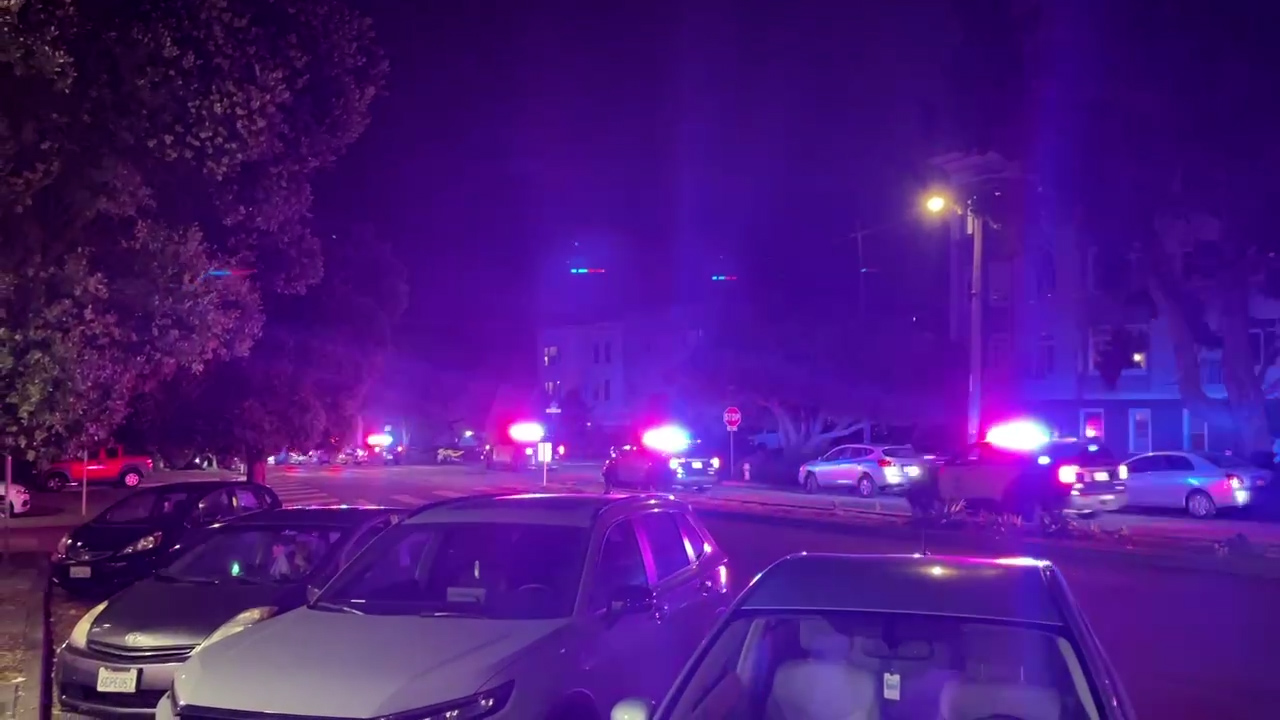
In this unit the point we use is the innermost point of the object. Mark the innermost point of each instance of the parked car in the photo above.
(898, 637)
(867, 469)
(674, 461)
(121, 657)
(519, 606)
(1200, 483)
(106, 465)
(16, 502)
(140, 533)
(1061, 476)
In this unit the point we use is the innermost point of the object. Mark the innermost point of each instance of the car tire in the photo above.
(1200, 506)
(130, 478)
(866, 487)
(810, 483)
(55, 482)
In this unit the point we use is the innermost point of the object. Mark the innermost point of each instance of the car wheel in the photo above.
(810, 482)
(866, 487)
(1200, 505)
(53, 482)
(131, 478)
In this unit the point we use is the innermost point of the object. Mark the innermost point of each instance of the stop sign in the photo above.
(732, 417)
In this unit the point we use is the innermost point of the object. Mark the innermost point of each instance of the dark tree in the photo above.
(147, 147)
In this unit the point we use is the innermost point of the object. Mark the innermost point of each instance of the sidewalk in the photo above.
(23, 611)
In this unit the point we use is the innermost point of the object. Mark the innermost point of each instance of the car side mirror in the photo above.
(632, 600)
(632, 709)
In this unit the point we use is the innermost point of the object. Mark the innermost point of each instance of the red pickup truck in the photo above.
(110, 464)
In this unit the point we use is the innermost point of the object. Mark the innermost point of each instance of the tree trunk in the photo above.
(255, 463)
(1245, 398)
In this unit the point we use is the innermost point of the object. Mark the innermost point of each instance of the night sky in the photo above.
(665, 141)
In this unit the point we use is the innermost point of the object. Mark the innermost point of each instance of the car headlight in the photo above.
(79, 636)
(63, 544)
(240, 622)
(150, 542)
(481, 705)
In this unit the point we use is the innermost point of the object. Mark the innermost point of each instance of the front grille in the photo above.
(87, 555)
(141, 700)
(164, 653)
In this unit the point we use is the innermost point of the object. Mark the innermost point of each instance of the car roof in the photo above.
(1009, 589)
(540, 509)
(194, 486)
(342, 515)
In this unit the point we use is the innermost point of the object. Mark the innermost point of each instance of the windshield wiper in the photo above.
(334, 607)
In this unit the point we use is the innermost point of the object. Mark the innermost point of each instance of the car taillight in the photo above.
(715, 462)
(884, 462)
(1067, 474)
(1122, 472)
(1235, 481)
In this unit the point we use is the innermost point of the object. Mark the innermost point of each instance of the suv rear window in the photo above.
(901, 451)
(1080, 453)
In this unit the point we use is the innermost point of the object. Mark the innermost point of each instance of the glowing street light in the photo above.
(935, 204)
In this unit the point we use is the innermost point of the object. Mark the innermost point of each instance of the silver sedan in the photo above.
(1200, 483)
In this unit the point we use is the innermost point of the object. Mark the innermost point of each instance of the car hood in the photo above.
(99, 537)
(159, 613)
(318, 663)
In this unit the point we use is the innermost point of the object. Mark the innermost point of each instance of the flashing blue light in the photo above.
(724, 277)
(586, 271)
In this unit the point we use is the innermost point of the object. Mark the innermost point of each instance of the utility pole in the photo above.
(976, 222)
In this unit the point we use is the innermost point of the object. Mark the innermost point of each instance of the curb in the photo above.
(32, 700)
(1053, 550)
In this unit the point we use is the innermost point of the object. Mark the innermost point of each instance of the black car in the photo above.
(121, 658)
(644, 468)
(139, 534)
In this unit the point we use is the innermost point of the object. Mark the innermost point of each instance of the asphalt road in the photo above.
(1187, 644)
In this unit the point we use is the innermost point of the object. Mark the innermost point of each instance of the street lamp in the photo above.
(936, 204)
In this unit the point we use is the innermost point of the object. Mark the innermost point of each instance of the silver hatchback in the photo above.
(866, 469)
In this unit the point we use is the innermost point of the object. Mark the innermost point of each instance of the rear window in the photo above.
(1223, 460)
(1081, 453)
(901, 451)
(146, 507)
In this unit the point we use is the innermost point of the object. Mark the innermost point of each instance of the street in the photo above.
(1188, 644)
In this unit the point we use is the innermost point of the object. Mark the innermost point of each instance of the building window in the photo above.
(1042, 365)
(595, 392)
(1093, 423)
(595, 353)
(550, 356)
(608, 352)
(999, 283)
(1195, 432)
(998, 351)
(1139, 430)
(1211, 369)
(605, 393)
(1091, 270)
(1124, 347)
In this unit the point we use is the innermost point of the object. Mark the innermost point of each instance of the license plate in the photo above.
(1101, 476)
(81, 571)
(697, 466)
(117, 681)
(912, 470)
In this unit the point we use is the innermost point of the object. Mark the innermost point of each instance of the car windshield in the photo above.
(1226, 461)
(788, 664)
(145, 507)
(257, 555)
(901, 451)
(492, 570)
(1086, 454)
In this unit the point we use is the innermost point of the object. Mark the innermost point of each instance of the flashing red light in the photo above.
(586, 271)
(885, 462)
(379, 440)
(668, 439)
(1067, 474)
(526, 432)
(1019, 435)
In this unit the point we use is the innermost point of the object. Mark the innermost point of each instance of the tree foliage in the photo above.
(821, 380)
(144, 144)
